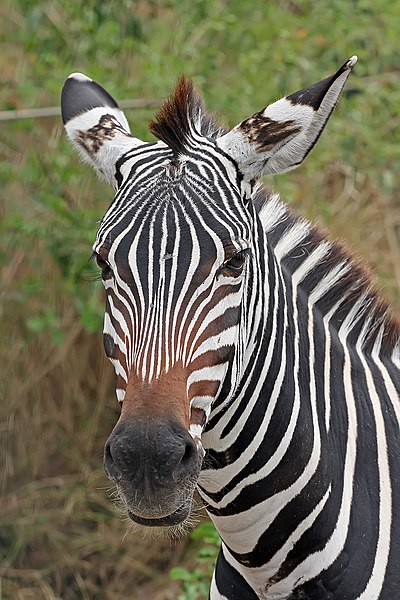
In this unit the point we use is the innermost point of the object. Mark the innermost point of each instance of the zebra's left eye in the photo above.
(236, 262)
(101, 263)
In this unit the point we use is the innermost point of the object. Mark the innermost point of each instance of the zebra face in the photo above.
(178, 250)
(174, 268)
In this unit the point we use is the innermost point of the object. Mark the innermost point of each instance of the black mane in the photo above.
(181, 116)
(354, 285)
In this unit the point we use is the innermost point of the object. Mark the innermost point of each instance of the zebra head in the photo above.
(179, 250)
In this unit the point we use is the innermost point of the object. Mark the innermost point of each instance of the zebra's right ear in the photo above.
(95, 124)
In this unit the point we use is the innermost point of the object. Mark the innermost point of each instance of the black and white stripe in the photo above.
(302, 481)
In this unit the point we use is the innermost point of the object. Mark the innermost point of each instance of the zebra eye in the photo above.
(236, 262)
(103, 265)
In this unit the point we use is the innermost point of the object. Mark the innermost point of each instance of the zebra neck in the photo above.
(264, 447)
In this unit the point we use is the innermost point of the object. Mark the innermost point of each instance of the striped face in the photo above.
(173, 249)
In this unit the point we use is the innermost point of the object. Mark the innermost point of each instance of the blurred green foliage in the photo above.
(57, 400)
(196, 579)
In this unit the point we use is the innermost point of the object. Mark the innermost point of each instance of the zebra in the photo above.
(254, 361)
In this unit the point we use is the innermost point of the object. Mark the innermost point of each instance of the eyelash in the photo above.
(102, 264)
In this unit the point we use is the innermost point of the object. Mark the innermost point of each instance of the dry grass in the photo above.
(355, 210)
(70, 544)
(60, 534)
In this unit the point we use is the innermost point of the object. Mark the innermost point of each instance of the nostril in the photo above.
(188, 460)
(189, 453)
(108, 459)
(109, 464)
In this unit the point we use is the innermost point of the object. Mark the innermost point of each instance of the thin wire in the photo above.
(54, 111)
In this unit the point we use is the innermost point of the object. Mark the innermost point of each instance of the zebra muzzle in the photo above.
(156, 465)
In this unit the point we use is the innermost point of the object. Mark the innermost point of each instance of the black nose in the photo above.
(150, 454)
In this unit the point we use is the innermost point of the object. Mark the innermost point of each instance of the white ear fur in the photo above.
(278, 138)
(95, 124)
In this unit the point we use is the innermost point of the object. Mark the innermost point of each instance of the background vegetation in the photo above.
(60, 537)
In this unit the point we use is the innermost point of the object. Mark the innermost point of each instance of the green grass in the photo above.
(60, 536)
(196, 575)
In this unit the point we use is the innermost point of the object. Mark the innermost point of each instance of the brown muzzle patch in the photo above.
(162, 397)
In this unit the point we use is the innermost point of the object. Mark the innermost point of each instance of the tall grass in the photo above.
(60, 536)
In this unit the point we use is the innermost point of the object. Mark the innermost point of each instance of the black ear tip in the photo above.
(314, 94)
(80, 94)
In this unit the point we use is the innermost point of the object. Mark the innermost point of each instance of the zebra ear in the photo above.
(95, 124)
(278, 138)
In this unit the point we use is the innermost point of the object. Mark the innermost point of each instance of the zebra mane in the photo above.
(348, 283)
(183, 116)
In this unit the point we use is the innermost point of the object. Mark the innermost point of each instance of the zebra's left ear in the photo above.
(95, 124)
(278, 138)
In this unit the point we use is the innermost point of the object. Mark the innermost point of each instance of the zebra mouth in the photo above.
(174, 518)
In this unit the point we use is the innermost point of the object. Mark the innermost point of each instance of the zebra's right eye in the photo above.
(103, 265)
